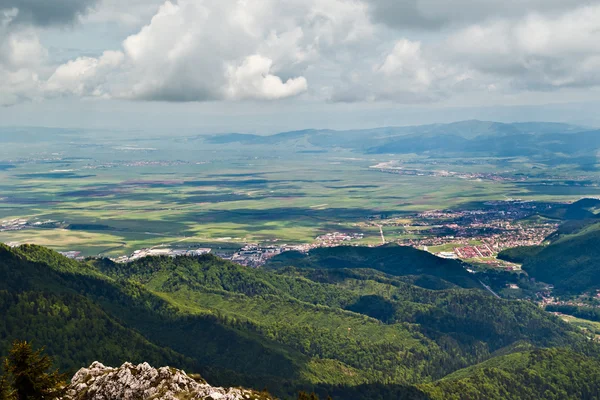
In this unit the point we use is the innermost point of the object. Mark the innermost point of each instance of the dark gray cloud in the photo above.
(434, 14)
(403, 14)
(47, 12)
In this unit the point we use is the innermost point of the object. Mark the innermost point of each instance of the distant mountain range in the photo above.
(466, 137)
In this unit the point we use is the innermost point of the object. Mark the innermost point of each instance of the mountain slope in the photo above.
(535, 375)
(287, 329)
(35, 306)
(570, 263)
(212, 346)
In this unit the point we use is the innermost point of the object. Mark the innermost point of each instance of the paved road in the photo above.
(489, 289)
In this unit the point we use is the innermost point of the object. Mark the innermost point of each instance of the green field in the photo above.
(113, 196)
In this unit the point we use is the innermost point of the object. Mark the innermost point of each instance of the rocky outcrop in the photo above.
(142, 382)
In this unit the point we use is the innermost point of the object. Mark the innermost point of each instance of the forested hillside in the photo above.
(535, 375)
(418, 267)
(345, 329)
(570, 263)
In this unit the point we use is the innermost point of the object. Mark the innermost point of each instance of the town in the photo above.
(478, 233)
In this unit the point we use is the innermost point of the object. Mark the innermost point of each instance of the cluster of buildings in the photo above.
(13, 224)
(482, 251)
(498, 226)
(387, 168)
(75, 255)
(161, 251)
(18, 224)
(338, 237)
(254, 256)
(547, 299)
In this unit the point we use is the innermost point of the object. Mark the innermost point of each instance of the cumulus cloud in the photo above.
(196, 50)
(329, 50)
(253, 79)
(532, 52)
(84, 76)
(536, 52)
(407, 74)
(21, 57)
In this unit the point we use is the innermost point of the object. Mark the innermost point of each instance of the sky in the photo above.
(264, 66)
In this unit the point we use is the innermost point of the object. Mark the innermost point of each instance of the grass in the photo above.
(590, 326)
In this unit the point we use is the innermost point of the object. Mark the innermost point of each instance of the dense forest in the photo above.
(431, 272)
(401, 327)
(521, 254)
(534, 375)
(570, 262)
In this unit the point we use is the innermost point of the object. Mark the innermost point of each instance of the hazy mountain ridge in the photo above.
(484, 137)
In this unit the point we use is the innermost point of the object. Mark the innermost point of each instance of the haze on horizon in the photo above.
(266, 66)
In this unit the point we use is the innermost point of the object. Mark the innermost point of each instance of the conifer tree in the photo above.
(6, 392)
(32, 378)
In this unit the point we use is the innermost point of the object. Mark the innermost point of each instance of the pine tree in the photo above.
(6, 392)
(31, 375)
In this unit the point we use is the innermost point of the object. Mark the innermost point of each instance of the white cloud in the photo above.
(21, 57)
(336, 50)
(253, 79)
(85, 76)
(197, 50)
(407, 74)
(505, 57)
(18, 86)
(534, 52)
